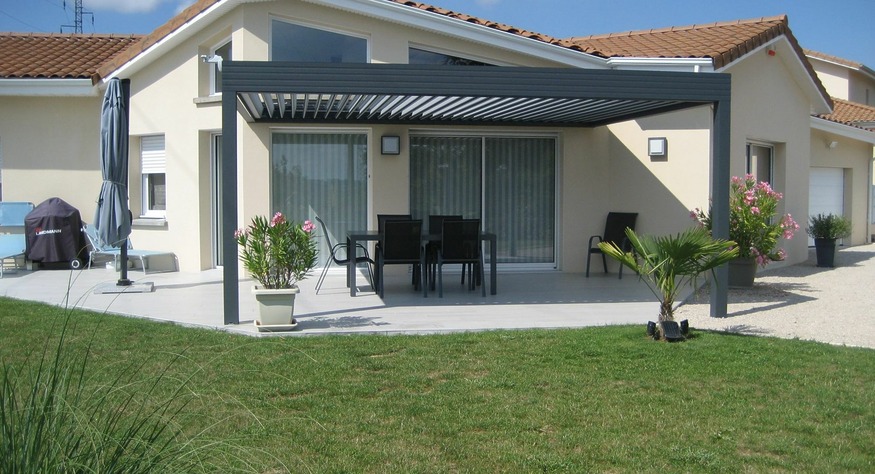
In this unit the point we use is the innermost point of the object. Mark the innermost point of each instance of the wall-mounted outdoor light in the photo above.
(657, 147)
(390, 145)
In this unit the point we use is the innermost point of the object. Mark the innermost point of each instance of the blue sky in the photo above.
(839, 27)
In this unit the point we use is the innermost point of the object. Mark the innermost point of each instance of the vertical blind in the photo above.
(520, 198)
(445, 176)
(507, 182)
(322, 174)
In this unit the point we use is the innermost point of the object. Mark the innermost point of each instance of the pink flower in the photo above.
(308, 226)
(239, 233)
(277, 219)
(782, 254)
(755, 210)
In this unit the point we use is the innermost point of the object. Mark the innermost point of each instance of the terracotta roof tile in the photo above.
(722, 42)
(58, 56)
(490, 24)
(851, 113)
(834, 59)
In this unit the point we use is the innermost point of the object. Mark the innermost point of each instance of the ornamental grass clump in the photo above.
(753, 221)
(278, 253)
(828, 226)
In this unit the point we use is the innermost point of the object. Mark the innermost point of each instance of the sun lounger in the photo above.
(11, 247)
(146, 258)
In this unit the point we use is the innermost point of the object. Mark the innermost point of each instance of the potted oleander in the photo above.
(825, 229)
(754, 224)
(278, 253)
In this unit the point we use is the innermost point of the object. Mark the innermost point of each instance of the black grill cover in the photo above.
(53, 231)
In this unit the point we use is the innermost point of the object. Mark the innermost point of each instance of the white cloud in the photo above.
(134, 6)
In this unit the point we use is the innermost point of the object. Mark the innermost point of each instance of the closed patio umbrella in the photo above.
(112, 220)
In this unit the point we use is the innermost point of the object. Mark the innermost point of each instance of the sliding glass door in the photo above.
(322, 174)
(508, 182)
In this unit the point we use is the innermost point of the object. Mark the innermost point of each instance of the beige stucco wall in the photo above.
(852, 157)
(769, 106)
(51, 149)
(168, 97)
(835, 78)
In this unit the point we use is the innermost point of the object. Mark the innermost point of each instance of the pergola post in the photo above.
(228, 202)
(720, 201)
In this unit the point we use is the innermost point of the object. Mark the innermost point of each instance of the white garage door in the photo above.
(826, 192)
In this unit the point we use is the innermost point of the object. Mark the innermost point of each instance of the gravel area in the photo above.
(831, 305)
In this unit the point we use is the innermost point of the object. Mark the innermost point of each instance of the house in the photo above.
(539, 136)
(842, 139)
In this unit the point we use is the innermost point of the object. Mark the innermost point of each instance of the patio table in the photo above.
(355, 237)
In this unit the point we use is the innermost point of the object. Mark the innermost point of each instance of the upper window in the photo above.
(152, 167)
(421, 56)
(292, 42)
(225, 52)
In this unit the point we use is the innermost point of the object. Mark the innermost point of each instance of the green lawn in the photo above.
(589, 400)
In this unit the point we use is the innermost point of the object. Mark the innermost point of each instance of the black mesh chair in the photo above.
(460, 243)
(401, 244)
(615, 231)
(383, 218)
(342, 248)
(435, 223)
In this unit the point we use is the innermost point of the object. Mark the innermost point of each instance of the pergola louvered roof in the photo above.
(454, 95)
(393, 93)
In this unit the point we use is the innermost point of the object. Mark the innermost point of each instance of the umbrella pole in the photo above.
(123, 257)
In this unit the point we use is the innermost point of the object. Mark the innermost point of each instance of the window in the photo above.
(152, 168)
(225, 52)
(507, 182)
(421, 56)
(324, 174)
(760, 161)
(292, 42)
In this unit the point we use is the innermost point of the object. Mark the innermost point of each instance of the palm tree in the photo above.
(668, 263)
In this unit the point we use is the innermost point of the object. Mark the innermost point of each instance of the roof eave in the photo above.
(662, 64)
(48, 88)
(843, 130)
(381, 9)
(169, 41)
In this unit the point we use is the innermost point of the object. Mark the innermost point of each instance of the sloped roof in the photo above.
(851, 113)
(722, 42)
(840, 61)
(58, 56)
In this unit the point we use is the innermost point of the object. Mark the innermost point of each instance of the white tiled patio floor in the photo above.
(524, 300)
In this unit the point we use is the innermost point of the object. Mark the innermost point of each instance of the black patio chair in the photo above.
(338, 248)
(460, 243)
(381, 224)
(435, 223)
(401, 244)
(615, 231)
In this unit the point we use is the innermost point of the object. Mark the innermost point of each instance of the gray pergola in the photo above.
(461, 95)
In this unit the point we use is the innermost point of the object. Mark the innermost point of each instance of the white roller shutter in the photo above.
(826, 192)
(152, 156)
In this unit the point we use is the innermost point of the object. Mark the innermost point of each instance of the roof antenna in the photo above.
(77, 23)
